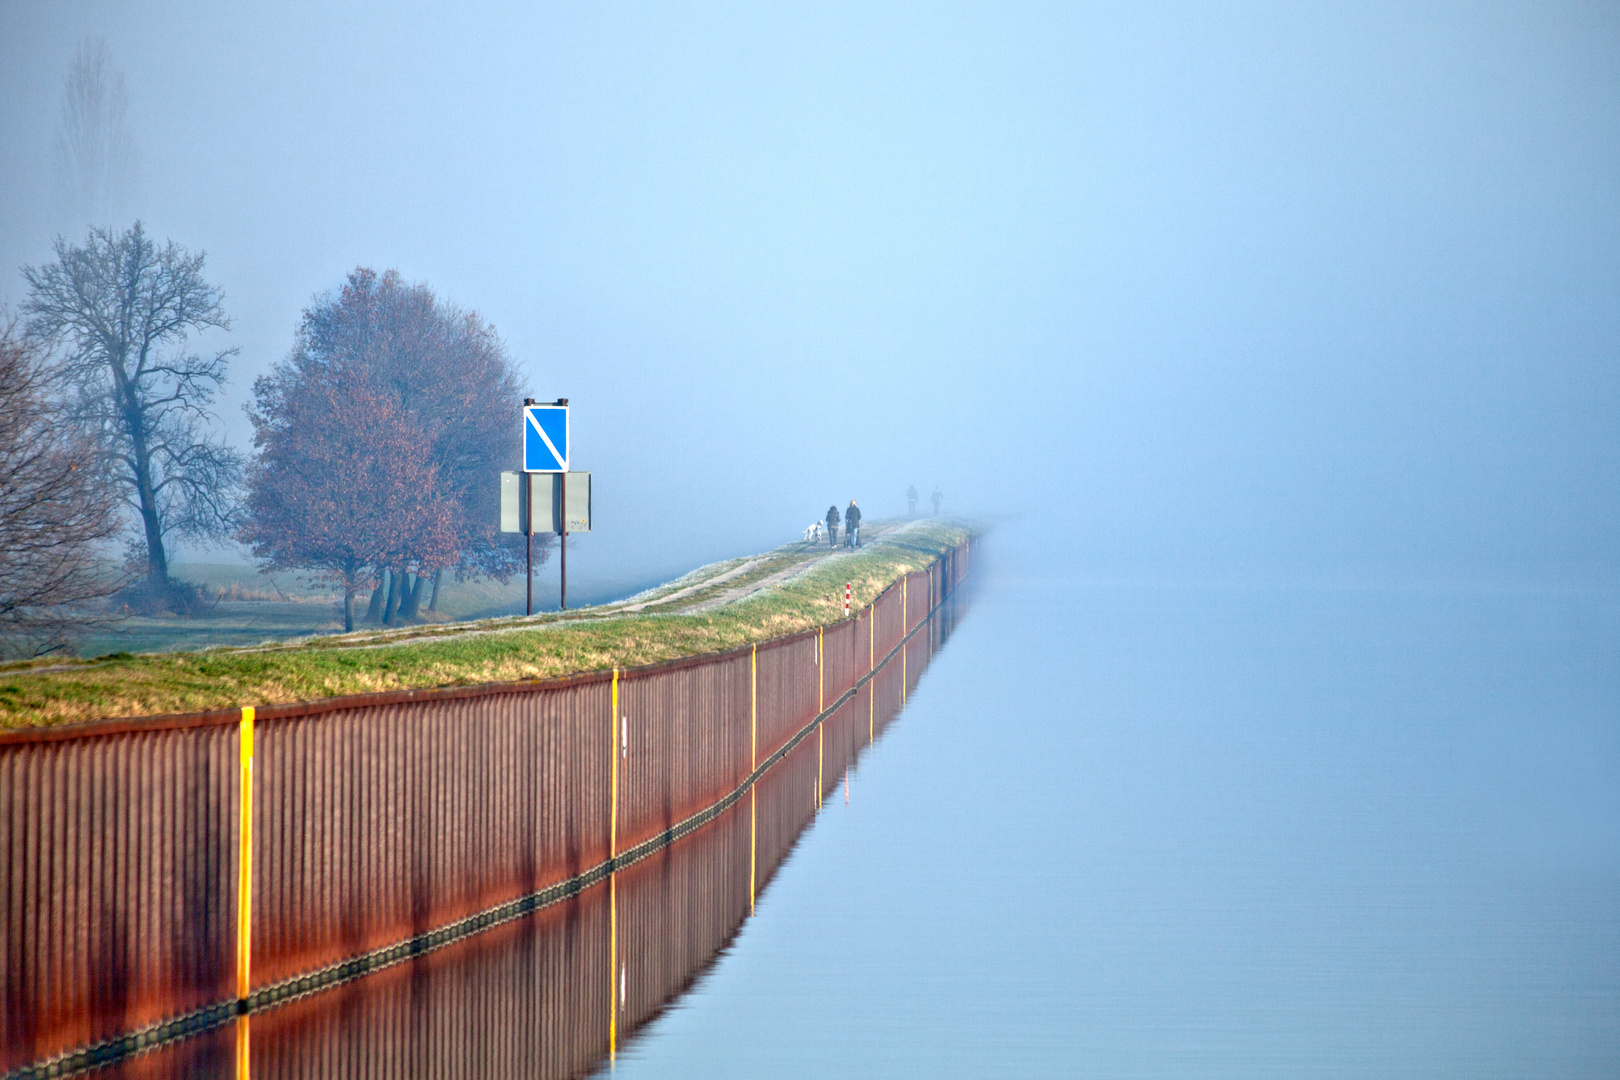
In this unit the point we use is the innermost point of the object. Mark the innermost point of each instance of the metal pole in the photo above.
(528, 531)
(562, 539)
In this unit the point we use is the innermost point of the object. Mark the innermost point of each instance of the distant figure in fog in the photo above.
(832, 526)
(937, 498)
(911, 501)
(852, 525)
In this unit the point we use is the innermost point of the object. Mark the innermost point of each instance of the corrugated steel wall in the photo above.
(381, 818)
(118, 865)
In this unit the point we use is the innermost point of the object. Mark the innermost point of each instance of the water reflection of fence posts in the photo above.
(381, 825)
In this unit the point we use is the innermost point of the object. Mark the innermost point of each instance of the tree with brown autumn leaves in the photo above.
(344, 484)
(385, 354)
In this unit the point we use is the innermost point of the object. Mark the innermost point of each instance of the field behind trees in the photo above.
(244, 607)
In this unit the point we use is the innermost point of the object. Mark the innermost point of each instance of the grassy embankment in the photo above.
(658, 625)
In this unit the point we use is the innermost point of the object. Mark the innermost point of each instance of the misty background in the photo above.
(1190, 293)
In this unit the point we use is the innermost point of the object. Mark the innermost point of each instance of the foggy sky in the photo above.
(1208, 293)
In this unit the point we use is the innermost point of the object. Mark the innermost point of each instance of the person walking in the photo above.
(832, 526)
(937, 499)
(911, 501)
(852, 525)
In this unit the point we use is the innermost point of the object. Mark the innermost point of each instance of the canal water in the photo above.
(1128, 831)
(1115, 831)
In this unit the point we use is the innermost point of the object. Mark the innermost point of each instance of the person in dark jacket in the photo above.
(852, 525)
(832, 526)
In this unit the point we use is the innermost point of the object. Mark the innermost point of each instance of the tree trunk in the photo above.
(374, 610)
(438, 576)
(391, 607)
(157, 560)
(351, 583)
(412, 600)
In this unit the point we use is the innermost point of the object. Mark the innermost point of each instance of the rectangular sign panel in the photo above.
(543, 490)
(579, 502)
(512, 501)
(545, 438)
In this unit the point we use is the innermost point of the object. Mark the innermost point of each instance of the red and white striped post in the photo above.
(846, 599)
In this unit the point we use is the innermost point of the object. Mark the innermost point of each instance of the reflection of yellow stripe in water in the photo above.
(613, 966)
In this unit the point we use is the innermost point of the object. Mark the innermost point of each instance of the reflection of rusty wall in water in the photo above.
(380, 820)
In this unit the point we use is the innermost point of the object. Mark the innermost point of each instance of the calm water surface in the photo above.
(1145, 832)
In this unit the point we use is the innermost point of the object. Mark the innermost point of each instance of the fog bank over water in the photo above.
(1235, 293)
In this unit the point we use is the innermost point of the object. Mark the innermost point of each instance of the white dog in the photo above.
(812, 533)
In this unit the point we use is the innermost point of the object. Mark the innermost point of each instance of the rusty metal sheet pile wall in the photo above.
(377, 820)
(119, 901)
(790, 685)
(376, 824)
(528, 999)
(683, 742)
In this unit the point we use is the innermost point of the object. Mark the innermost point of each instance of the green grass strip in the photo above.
(466, 654)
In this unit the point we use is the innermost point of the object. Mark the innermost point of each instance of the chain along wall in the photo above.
(385, 826)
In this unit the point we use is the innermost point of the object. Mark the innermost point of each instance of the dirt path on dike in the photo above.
(731, 595)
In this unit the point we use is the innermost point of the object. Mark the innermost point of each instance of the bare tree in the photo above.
(53, 511)
(95, 154)
(119, 311)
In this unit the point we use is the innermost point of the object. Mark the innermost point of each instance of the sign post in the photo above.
(549, 502)
(545, 450)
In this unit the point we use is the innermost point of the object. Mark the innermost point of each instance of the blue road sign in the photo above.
(545, 438)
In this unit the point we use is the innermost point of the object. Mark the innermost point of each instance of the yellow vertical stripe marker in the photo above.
(613, 879)
(871, 666)
(613, 756)
(244, 857)
(244, 886)
(905, 609)
(821, 705)
(821, 673)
